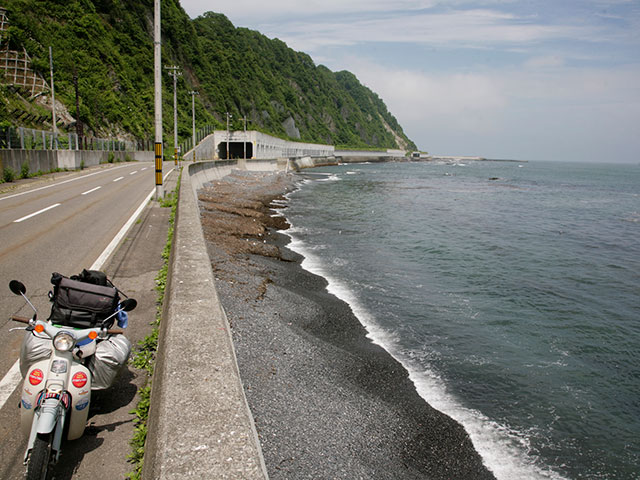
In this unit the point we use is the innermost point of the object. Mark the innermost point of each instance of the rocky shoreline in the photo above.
(327, 402)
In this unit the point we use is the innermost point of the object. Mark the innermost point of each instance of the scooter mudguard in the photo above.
(78, 386)
(33, 384)
(80, 389)
(50, 411)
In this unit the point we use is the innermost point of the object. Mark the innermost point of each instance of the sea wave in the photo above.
(505, 451)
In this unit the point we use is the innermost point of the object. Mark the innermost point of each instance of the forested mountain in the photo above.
(108, 45)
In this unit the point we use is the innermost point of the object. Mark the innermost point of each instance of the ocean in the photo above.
(510, 291)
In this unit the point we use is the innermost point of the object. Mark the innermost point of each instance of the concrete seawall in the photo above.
(311, 162)
(208, 433)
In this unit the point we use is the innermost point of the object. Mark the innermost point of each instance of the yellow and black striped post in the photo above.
(158, 150)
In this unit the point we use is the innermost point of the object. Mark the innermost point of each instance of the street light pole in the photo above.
(175, 72)
(228, 133)
(157, 81)
(193, 94)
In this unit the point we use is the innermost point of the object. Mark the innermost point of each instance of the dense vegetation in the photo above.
(108, 44)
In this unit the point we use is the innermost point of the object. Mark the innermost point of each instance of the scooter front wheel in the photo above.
(38, 464)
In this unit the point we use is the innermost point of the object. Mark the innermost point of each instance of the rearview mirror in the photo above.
(17, 287)
(128, 304)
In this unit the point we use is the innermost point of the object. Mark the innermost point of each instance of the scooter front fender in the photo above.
(32, 387)
(48, 419)
(50, 411)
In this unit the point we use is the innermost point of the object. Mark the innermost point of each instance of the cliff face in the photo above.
(108, 46)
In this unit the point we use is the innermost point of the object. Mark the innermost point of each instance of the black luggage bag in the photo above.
(80, 304)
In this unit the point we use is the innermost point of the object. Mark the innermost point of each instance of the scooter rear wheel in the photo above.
(38, 464)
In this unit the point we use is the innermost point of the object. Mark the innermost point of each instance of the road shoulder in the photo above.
(133, 269)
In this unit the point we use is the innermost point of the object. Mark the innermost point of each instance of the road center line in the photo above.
(61, 183)
(37, 213)
(117, 179)
(133, 173)
(92, 190)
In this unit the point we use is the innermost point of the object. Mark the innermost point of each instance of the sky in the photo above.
(508, 79)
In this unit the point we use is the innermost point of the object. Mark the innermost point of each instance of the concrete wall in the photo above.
(371, 158)
(38, 160)
(311, 162)
(48, 160)
(209, 432)
(203, 172)
(264, 146)
(73, 159)
(357, 156)
(370, 153)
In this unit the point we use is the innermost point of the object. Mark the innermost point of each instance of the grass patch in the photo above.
(24, 171)
(8, 175)
(145, 356)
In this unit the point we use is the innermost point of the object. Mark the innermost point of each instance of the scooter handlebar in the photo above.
(111, 331)
(20, 319)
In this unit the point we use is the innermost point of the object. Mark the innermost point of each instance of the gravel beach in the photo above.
(327, 402)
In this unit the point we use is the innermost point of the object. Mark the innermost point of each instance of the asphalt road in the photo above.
(55, 225)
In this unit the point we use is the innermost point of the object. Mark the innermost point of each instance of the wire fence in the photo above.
(187, 145)
(30, 139)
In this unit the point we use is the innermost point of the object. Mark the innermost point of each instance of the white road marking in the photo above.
(9, 382)
(118, 179)
(133, 173)
(36, 213)
(123, 231)
(13, 377)
(92, 190)
(60, 183)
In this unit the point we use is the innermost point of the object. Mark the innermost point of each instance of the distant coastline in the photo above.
(452, 158)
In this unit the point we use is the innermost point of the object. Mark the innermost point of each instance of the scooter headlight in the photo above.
(64, 341)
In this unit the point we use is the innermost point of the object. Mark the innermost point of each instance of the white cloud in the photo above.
(454, 24)
(455, 29)
(252, 9)
(512, 113)
(546, 61)
(462, 101)
(499, 78)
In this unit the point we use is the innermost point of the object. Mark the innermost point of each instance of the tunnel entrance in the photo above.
(236, 150)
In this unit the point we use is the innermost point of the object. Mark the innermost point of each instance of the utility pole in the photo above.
(78, 124)
(193, 94)
(54, 140)
(228, 133)
(244, 143)
(157, 80)
(175, 72)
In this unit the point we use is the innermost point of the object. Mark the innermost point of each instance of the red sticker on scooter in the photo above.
(36, 376)
(79, 380)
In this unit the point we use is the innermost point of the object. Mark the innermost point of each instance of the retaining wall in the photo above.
(49, 160)
(200, 425)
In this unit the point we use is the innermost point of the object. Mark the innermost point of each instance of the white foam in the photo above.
(504, 451)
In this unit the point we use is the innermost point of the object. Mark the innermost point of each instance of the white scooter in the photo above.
(57, 390)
